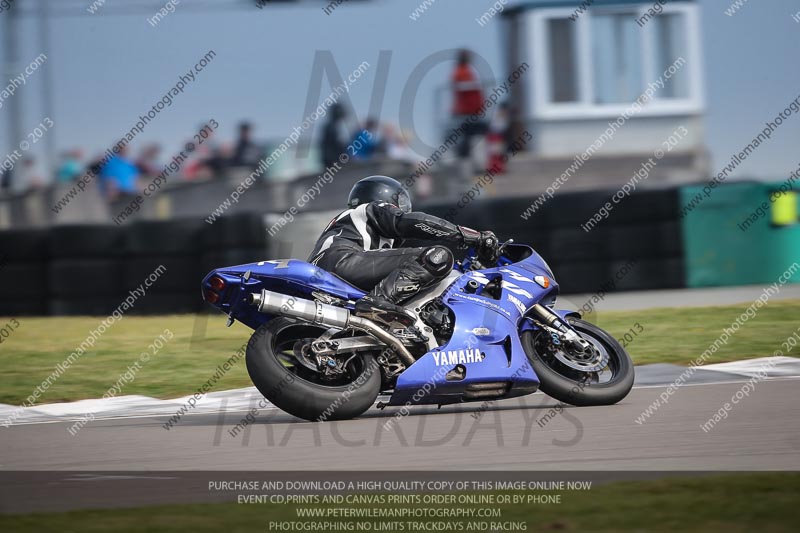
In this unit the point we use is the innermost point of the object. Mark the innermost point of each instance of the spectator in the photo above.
(6, 177)
(467, 100)
(246, 153)
(208, 160)
(398, 149)
(396, 146)
(118, 176)
(70, 167)
(147, 163)
(497, 140)
(332, 144)
(368, 142)
(32, 175)
(95, 166)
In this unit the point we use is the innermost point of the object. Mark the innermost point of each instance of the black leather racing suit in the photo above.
(359, 247)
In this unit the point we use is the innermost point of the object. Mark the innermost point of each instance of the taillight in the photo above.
(217, 283)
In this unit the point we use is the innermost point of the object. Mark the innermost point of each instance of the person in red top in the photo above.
(467, 90)
(467, 100)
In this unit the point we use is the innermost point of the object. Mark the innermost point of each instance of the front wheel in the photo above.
(605, 378)
(278, 374)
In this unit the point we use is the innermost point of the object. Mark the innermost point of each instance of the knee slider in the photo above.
(437, 260)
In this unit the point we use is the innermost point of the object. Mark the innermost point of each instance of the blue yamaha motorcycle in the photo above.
(488, 331)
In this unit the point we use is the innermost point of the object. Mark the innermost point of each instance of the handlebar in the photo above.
(473, 262)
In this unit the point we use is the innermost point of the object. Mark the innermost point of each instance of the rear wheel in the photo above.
(283, 375)
(602, 377)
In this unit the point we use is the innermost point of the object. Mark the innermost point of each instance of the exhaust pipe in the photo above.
(275, 303)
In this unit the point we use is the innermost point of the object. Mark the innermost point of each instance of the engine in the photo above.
(439, 317)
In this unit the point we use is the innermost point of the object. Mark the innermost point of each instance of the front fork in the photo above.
(559, 326)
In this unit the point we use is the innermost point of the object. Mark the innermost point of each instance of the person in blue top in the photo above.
(367, 142)
(118, 176)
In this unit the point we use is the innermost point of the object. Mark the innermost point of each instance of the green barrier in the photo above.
(740, 233)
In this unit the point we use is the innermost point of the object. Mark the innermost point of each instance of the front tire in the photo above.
(570, 386)
(292, 388)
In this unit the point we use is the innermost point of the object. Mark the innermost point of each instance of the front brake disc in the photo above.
(595, 363)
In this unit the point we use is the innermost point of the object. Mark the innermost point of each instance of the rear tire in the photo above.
(300, 397)
(572, 392)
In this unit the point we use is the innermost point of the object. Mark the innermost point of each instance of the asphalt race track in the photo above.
(762, 432)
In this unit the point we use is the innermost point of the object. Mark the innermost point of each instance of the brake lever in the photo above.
(503, 247)
(496, 254)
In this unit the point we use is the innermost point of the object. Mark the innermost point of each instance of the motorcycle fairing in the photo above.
(287, 276)
(484, 323)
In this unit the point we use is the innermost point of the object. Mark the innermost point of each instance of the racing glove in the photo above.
(484, 242)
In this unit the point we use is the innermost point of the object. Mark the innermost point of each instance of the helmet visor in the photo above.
(404, 202)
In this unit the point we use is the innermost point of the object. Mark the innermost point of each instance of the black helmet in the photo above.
(379, 188)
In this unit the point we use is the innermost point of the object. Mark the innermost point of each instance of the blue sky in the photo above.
(107, 70)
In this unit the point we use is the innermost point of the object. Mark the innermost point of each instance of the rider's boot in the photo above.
(381, 304)
(384, 303)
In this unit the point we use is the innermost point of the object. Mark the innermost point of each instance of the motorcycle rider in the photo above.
(362, 245)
